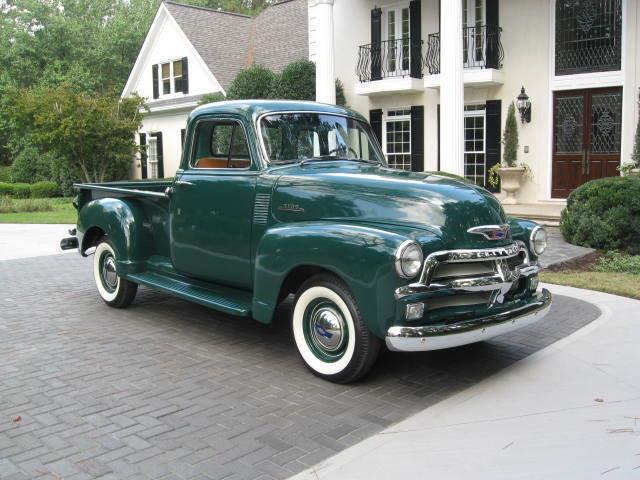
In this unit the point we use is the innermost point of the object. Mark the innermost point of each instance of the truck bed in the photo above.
(136, 188)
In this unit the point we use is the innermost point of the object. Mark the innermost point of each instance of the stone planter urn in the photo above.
(510, 181)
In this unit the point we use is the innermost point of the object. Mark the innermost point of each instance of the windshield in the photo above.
(290, 137)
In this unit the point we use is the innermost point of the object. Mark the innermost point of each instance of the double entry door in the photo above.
(587, 127)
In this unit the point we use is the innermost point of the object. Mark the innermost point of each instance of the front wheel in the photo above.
(116, 291)
(330, 333)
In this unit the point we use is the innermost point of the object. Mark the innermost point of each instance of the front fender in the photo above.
(362, 256)
(124, 223)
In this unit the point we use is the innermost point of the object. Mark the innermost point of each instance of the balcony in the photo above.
(390, 66)
(482, 56)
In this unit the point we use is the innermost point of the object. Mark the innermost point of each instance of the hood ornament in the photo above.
(491, 232)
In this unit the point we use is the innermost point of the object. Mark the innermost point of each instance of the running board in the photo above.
(223, 299)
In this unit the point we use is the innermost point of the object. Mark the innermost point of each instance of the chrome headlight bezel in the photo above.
(409, 259)
(538, 240)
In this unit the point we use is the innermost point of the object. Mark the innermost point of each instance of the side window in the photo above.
(221, 144)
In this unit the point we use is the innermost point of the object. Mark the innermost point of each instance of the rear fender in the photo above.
(125, 224)
(362, 256)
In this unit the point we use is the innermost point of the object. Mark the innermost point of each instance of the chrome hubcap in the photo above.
(327, 328)
(109, 275)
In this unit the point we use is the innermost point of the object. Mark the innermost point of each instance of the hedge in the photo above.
(6, 189)
(604, 214)
(21, 190)
(45, 190)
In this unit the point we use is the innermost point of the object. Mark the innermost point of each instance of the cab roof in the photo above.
(254, 108)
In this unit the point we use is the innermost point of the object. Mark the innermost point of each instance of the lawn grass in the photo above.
(62, 212)
(623, 284)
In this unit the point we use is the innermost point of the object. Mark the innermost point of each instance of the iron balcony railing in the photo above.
(390, 58)
(482, 48)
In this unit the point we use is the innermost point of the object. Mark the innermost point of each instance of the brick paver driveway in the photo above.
(167, 389)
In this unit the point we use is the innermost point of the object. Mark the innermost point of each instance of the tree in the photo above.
(92, 137)
(510, 138)
(256, 81)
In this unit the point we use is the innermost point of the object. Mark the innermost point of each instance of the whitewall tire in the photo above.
(329, 331)
(115, 291)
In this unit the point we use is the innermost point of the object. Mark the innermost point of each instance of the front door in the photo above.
(212, 206)
(586, 137)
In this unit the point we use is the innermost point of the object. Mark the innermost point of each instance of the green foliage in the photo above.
(21, 190)
(341, 99)
(297, 81)
(604, 214)
(635, 157)
(619, 262)
(248, 7)
(45, 190)
(510, 138)
(6, 189)
(10, 205)
(256, 81)
(5, 173)
(31, 166)
(212, 98)
(88, 137)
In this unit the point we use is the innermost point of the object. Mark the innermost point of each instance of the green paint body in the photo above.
(344, 217)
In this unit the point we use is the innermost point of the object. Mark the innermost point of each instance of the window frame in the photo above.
(171, 78)
(473, 113)
(194, 138)
(397, 10)
(387, 118)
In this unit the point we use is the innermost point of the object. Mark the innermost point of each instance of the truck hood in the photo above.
(363, 193)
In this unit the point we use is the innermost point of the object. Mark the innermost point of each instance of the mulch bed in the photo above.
(582, 264)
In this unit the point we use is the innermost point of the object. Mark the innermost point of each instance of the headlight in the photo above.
(408, 259)
(538, 240)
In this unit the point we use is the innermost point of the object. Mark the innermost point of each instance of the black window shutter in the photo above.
(156, 81)
(415, 40)
(143, 154)
(376, 45)
(160, 155)
(185, 75)
(493, 33)
(417, 139)
(375, 119)
(494, 134)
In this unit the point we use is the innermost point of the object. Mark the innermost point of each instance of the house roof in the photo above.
(229, 42)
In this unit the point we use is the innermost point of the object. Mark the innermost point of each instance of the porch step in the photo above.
(544, 213)
(223, 299)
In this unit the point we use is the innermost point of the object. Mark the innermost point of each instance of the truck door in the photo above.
(212, 205)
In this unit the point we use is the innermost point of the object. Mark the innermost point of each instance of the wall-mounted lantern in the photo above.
(524, 106)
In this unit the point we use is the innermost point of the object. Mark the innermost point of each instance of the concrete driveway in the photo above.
(26, 240)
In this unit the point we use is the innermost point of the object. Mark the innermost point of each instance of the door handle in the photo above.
(587, 161)
(168, 192)
(183, 183)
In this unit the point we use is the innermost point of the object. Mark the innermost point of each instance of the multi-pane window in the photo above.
(475, 162)
(397, 138)
(152, 158)
(171, 77)
(473, 13)
(588, 36)
(398, 39)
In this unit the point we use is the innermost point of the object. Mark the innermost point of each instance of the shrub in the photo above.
(5, 173)
(254, 82)
(10, 205)
(21, 190)
(604, 214)
(6, 189)
(619, 262)
(341, 99)
(212, 98)
(45, 190)
(30, 165)
(510, 138)
(297, 81)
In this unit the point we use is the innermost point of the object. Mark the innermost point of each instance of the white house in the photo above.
(192, 51)
(436, 79)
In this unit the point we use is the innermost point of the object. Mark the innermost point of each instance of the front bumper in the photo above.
(437, 337)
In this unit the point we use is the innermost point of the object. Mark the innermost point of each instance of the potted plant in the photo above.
(510, 172)
(633, 168)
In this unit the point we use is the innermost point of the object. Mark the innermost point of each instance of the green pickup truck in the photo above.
(281, 198)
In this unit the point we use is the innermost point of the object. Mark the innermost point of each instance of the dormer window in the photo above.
(170, 78)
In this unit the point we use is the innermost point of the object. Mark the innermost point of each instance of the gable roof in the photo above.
(229, 42)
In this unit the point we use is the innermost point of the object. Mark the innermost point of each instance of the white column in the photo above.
(322, 12)
(451, 88)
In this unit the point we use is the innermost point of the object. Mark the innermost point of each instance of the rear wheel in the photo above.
(330, 333)
(116, 291)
